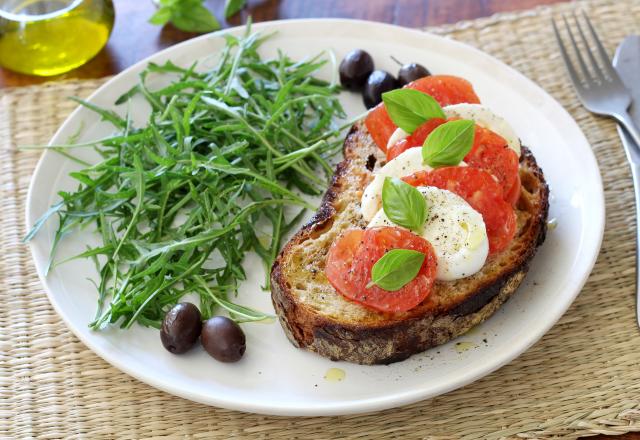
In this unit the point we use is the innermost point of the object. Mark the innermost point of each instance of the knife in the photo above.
(627, 63)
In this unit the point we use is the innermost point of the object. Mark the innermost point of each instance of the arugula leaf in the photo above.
(403, 204)
(410, 108)
(232, 7)
(396, 269)
(239, 313)
(448, 144)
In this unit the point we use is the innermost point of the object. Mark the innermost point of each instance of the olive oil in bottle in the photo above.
(49, 37)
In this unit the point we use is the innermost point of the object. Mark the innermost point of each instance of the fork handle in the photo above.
(625, 120)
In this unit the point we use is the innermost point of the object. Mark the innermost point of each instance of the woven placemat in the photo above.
(582, 378)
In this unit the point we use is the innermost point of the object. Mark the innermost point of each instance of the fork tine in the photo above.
(573, 75)
(583, 65)
(594, 63)
(601, 50)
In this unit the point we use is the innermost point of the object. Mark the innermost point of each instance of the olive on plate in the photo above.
(181, 327)
(411, 72)
(355, 68)
(378, 83)
(223, 339)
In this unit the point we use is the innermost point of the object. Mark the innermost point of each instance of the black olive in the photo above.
(355, 68)
(378, 83)
(223, 339)
(181, 327)
(411, 72)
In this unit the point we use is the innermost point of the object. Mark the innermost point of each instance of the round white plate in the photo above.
(276, 378)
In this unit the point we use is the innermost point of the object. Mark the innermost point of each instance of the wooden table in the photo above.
(133, 38)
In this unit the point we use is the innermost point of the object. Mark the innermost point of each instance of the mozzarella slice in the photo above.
(396, 136)
(409, 162)
(486, 118)
(455, 230)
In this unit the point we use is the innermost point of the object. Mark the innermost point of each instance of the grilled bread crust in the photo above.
(317, 318)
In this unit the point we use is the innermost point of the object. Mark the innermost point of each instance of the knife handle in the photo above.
(625, 120)
(633, 155)
(635, 172)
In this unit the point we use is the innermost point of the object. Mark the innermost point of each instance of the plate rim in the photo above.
(346, 406)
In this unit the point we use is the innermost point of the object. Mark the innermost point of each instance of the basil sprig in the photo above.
(448, 144)
(403, 204)
(396, 268)
(409, 108)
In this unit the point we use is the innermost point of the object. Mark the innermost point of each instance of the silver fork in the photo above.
(601, 91)
(599, 88)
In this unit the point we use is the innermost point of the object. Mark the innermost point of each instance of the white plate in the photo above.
(276, 378)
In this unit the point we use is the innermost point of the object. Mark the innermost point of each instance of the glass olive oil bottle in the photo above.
(49, 37)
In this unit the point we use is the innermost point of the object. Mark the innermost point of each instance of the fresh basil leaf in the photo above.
(410, 108)
(448, 144)
(192, 16)
(403, 204)
(161, 16)
(396, 269)
(170, 3)
(232, 7)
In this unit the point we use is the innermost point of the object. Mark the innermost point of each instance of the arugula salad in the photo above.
(175, 202)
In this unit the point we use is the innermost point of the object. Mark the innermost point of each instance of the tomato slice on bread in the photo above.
(354, 253)
(490, 152)
(482, 192)
(380, 126)
(513, 194)
(415, 139)
(445, 89)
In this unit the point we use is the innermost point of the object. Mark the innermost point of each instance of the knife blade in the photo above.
(627, 63)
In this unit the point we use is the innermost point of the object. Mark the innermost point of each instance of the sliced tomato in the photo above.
(445, 89)
(416, 139)
(380, 126)
(398, 148)
(482, 192)
(513, 194)
(340, 259)
(491, 152)
(354, 253)
(419, 135)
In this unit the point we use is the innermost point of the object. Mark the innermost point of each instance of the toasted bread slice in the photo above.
(317, 318)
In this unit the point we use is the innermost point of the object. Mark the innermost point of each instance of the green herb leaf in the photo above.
(161, 16)
(194, 17)
(410, 108)
(448, 144)
(403, 204)
(238, 313)
(126, 96)
(232, 7)
(186, 15)
(396, 269)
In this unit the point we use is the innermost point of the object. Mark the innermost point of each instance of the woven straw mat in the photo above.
(582, 378)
